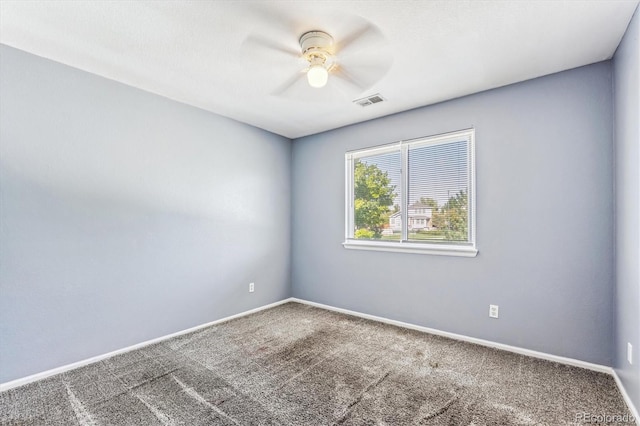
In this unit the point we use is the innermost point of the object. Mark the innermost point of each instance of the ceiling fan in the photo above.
(324, 67)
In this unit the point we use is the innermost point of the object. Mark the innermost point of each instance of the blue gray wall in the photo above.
(627, 162)
(126, 216)
(544, 220)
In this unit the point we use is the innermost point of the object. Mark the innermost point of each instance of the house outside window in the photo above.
(414, 196)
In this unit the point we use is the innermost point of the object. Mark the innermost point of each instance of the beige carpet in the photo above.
(299, 365)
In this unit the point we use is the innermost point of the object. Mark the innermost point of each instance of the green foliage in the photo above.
(373, 195)
(364, 234)
(456, 217)
(371, 183)
(439, 219)
(430, 202)
(451, 218)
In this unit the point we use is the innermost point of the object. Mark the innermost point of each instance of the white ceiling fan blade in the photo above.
(271, 60)
(362, 55)
(365, 36)
(347, 84)
(289, 88)
(254, 45)
(366, 69)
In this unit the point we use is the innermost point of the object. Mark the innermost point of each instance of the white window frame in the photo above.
(466, 249)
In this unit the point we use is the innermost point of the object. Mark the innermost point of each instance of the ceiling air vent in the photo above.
(369, 100)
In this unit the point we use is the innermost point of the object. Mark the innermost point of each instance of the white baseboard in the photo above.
(625, 395)
(39, 376)
(482, 342)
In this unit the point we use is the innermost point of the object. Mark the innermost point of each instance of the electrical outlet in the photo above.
(493, 311)
(251, 287)
(629, 353)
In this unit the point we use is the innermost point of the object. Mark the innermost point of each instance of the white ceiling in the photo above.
(208, 53)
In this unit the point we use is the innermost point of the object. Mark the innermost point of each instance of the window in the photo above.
(414, 196)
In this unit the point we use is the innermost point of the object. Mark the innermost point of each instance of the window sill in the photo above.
(418, 248)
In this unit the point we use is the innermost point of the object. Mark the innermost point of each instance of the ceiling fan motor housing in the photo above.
(317, 45)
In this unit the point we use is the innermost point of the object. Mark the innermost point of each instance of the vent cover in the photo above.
(370, 100)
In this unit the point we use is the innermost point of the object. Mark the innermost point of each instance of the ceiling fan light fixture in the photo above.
(317, 75)
(317, 48)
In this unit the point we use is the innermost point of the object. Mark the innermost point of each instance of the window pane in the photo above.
(376, 190)
(438, 206)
